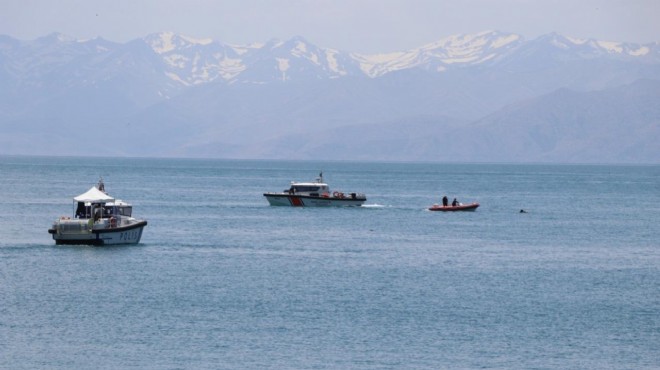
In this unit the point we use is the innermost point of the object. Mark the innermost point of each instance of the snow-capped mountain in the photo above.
(189, 61)
(169, 94)
(192, 61)
(458, 50)
(295, 60)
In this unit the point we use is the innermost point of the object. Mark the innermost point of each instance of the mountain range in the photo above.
(485, 97)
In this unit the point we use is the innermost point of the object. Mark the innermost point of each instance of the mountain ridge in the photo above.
(230, 60)
(170, 95)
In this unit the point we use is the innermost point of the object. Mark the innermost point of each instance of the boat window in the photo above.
(126, 211)
(306, 189)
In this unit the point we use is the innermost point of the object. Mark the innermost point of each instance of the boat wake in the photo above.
(373, 206)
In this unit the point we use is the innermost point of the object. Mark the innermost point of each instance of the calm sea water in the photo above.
(221, 280)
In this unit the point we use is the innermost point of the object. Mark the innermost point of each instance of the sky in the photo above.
(363, 26)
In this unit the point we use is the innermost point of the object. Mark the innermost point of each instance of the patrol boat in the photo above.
(314, 194)
(98, 219)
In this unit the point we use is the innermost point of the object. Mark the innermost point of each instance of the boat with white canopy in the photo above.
(98, 219)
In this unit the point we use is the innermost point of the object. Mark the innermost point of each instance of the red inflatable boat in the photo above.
(460, 207)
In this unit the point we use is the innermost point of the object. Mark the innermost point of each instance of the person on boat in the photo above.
(80, 210)
(97, 213)
(454, 203)
(445, 201)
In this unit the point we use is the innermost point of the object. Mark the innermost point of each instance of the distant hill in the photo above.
(615, 125)
(619, 124)
(491, 96)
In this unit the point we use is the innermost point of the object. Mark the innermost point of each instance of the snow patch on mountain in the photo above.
(504, 41)
(333, 64)
(576, 41)
(613, 47)
(175, 77)
(439, 55)
(176, 60)
(560, 44)
(274, 44)
(64, 38)
(643, 50)
(165, 42)
(244, 49)
(196, 41)
(282, 64)
(300, 48)
(375, 65)
(229, 68)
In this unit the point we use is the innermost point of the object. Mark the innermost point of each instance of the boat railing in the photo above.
(350, 195)
(64, 226)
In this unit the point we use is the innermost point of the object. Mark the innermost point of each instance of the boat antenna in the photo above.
(101, 185)
(320, 179)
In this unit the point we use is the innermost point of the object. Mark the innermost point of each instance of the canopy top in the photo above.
(94, 195)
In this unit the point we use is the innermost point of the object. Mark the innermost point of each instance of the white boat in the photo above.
(98, 219)
(314, 194)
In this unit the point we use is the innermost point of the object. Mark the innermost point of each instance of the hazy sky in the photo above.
(351, 25)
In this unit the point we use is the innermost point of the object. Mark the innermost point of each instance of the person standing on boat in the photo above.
(445, 201)
(80, 210)
(98, 211)
(454, 203)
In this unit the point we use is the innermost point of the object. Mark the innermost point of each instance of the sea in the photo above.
(222, 280)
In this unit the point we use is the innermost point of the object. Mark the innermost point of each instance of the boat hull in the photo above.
(464, 207)
(129, 234)
(289, 200)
